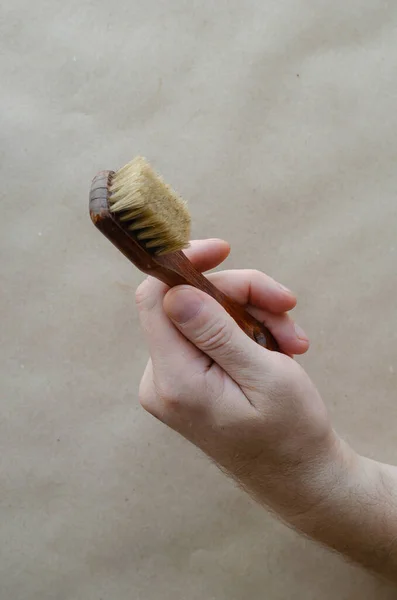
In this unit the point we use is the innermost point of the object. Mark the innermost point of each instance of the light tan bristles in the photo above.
(149, 208)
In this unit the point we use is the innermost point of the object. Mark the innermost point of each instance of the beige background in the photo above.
(277, 120)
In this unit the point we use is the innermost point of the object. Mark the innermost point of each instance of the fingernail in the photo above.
(183, 305)
(301, 334)
(285, 289)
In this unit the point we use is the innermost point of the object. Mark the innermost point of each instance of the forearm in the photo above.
(358, 517)
(327, 492)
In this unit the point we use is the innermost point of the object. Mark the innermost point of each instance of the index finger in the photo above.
(248, 286)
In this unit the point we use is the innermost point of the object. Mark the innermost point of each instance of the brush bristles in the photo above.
(149, 208)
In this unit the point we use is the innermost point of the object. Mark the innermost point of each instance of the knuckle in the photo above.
(184, 397)
(254, 273)
(170, 396)
(147, 396)
(214, 336)
(148, 401)
(259, 277)
(171, 401)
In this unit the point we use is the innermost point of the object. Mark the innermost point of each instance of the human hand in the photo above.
(257, 414)
(254, 412)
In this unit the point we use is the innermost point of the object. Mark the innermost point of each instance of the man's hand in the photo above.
(257, 414)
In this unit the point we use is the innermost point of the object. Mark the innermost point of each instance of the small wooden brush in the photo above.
(150, 225)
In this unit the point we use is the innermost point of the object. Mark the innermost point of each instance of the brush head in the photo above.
(148, 208)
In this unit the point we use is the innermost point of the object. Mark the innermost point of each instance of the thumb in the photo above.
(204, 322)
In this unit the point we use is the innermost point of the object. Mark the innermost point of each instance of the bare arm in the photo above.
(358, 517)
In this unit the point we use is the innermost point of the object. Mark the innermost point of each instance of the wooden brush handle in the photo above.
(176, 269)
(173, 269)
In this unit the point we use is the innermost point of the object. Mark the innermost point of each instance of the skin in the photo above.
(258, 415)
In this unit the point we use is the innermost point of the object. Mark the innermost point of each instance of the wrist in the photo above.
(327, 479)
(358, 516)
(301, 478)
(317, 479)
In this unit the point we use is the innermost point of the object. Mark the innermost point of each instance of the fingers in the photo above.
(206, 324)
(248, 286)
(207, 254)
(266, 300)
(291, 338)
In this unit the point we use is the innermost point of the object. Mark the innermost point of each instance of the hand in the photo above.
(255, 412)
